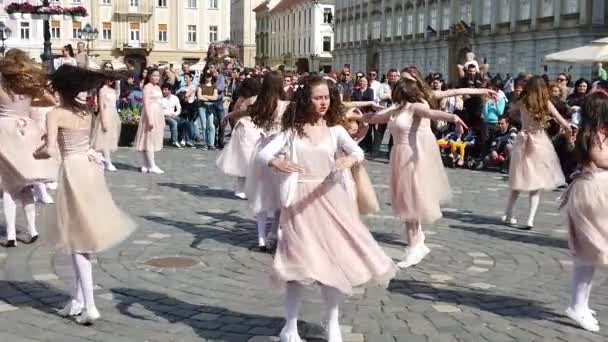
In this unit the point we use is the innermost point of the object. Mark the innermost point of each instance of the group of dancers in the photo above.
(297, 161)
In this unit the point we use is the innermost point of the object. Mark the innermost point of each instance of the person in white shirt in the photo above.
(172, 109)
(372, 77)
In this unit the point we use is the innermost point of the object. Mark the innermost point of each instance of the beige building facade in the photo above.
(242, 28)
(141, 31)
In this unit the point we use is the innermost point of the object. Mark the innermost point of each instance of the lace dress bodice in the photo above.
(73, 141)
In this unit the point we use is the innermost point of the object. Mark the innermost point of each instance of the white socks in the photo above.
(581, 287)
(29, 209)
(511, 204)
(84, 275)
(331, 297)
(413, 233)
(10, 213)
(293, 300)
(260, 218)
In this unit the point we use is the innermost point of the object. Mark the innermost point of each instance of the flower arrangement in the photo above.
(77, 11)
(130, 115)
(12, 8)
(26, 7)
(55, 10)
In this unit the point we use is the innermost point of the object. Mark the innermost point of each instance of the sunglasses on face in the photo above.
(562, 79)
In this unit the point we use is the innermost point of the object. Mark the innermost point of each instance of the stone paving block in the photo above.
(475, 269)
(446, 308)
(45, 277)
(5, 307)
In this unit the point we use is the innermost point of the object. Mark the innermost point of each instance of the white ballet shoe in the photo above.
(593, 312)
(584, 319)
(156, 170)
(289, 336)
(144, 169)
(51, 186)
(414, 255)
(110, 167)
(73, 308)
(240, 195)
(87, 317)
(510, 220)
(334, 334)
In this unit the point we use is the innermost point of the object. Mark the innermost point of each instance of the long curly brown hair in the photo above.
(593, 119)
(301, 110)
(535, 99)
(262, 110)
(22, 76)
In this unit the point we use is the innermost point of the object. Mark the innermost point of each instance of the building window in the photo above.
(376, 26)
(55, 29)
(191, 3)
(505, 11)
(162, 32)
(546, 8)
(433, 21)
(326, 44)
(446, 14)
(409, 24)
(76, 29)
(191, 33)
(134, 31)
(327, 15)
(524, 9)
(212, 33)
(106, 31)
(465, 11)
(25, 30)
(389, 26)
(358, 33)
(134, 3)
(570, 6)
(365, 30)
(162, 3)
(399, 25)
(212, 4)
(421, 27)
(106, 2)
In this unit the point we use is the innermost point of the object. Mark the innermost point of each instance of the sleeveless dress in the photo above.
(418, 181)
(146, 139)
(235, 159)
(85, 218)
(20, 136)
(261, 185)
(534, 164)
(101, 140)
(323, 240)
(585, 208)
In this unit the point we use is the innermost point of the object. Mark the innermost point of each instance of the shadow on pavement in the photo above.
(200, 190)
(126, 167)
(470, 217)
(509, 234)
(208, 321)
(242, 233)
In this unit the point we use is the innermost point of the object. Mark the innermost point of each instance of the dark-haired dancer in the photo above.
(419, 184)
(151, 131)
(107, 124)
(236, 157)
(261, 187)
(585, 208)
(534, 165)
(323, 240)
(85, 219)
(21, 80)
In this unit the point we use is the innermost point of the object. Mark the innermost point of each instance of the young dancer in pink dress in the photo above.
(151, 131)
(261, 186)
(322, 240)
(534, 165)
(585, 208)
(235, 158)
(85, 219)
(107, 124)
(20, 135)
(419, 184)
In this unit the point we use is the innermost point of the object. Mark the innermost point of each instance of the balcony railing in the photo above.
(134, 45)
(143, 7)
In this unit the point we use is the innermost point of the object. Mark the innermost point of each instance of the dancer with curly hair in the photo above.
(323, 241)
(21, 80)
(85, 219)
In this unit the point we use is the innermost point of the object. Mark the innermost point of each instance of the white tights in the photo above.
(83, 289)
(148, 157)
(10, 213)
(107, 156)
(581, 287)
(534, 202)
(293, 300)
(413, 233)
(261, 218)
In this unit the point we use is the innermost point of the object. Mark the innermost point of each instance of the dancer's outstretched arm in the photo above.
(347, 144)
(465, 91)
(424, 111)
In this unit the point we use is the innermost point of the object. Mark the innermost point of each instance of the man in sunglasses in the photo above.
(345, 85)
(563, 80)
(372, 78)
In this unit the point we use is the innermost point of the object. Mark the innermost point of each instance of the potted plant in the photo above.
(129, 118)
(56, 12)
(78, 12)
(13, 10)
(26, 9)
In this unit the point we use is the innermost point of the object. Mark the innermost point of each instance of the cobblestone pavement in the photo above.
(482, 281)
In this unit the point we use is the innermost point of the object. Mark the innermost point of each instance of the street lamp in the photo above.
(5, 34)
(89, 34)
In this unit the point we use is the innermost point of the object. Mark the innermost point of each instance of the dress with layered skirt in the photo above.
(418, 181)
(323, 240)
(85, 219)
(151, 139)
(585, 209)
(235, 159)
(106, 140)
(534, 164)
